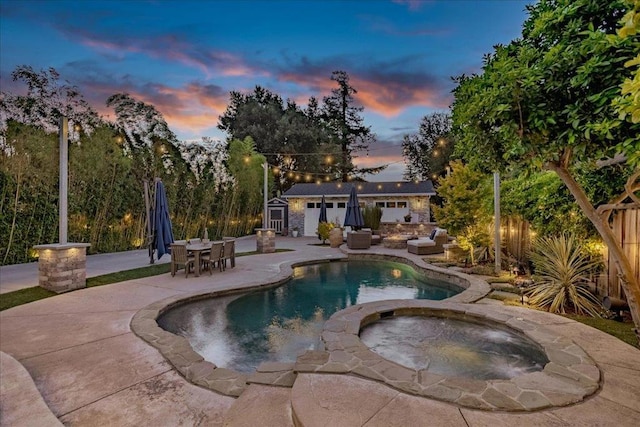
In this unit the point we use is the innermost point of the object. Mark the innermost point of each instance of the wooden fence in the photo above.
(515, 234)
(626, 227)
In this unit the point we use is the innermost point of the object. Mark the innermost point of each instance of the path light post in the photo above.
(265, 237)
(265, 166)
(62, 265)
(63, 184)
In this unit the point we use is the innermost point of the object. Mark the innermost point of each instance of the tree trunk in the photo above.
(630, 285)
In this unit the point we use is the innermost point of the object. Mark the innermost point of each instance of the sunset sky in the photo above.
(185, 57)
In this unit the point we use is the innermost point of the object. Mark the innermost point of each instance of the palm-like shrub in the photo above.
(562, 270)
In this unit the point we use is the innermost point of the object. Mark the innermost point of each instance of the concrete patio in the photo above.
(74, 359)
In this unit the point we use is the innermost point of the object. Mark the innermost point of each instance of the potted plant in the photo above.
(407, 218)
(294, 231)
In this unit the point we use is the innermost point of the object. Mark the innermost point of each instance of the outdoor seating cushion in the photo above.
(421, 242)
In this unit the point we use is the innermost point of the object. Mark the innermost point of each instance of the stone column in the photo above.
(62, 266)
(266, 240)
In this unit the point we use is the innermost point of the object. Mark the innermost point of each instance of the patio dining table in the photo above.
(197, 249)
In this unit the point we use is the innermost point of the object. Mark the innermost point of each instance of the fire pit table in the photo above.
(395, 242)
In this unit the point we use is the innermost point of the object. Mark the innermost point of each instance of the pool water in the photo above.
(279, 324)
(454, 347)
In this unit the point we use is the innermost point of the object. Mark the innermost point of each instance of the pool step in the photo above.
(267, 406)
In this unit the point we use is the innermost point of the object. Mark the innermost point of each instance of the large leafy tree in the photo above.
(347, 127)
(256, 114)
(292, 139)
(628, 103)
(545, 102)
(543, 200)
(427, 153)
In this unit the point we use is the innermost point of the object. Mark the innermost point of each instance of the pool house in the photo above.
(397, 200)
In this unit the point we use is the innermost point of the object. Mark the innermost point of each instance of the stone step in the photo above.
(344, 400)
(263, 405)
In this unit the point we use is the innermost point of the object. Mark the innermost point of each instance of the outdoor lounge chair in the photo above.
(229, 253)
(429, 245)
(214, 256)
(359, 239)
(179, 257)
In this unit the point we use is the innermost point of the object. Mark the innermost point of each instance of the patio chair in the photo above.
(233, 254)
(195, 241)
(214, 256)
(229, 253)
(179, 257)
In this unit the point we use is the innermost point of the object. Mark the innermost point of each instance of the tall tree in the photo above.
(255, 114)
(545, 101)
(290, 138)
(147, 136)
(47, 98)
(347, 126)
(427, 153)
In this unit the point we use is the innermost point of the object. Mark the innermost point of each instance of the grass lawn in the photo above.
(24, 296)
(621, 330)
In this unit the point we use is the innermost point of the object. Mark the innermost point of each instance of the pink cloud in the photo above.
(190, 109)
(171, 48)
(387, 97)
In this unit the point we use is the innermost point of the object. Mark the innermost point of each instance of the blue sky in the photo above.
(185, 57)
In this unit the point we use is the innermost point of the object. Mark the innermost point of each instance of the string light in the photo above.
(318, 177)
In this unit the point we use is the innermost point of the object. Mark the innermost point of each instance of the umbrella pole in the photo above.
(147, 205)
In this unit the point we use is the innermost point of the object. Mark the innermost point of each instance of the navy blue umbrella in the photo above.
(323, 211)
(163, 235)
(354, 214)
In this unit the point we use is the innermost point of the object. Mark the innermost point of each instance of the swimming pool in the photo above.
(279, 324)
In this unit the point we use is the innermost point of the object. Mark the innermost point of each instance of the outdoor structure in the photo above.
(265, 240)
(278, 215)
(397, 200)
(62, 265)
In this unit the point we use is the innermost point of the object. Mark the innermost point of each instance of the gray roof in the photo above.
(398, 188)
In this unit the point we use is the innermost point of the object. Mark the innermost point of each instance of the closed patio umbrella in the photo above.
(163, 235)
(353, 216)
(323, 211)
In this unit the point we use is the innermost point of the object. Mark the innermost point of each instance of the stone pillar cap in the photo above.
(60, 246)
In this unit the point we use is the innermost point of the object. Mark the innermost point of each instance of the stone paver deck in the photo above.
(91, 369)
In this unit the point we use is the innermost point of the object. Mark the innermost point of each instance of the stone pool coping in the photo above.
(191, 365)
(569, 377)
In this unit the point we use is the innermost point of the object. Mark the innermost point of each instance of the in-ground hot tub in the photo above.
(453, 347)
(568, 374)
